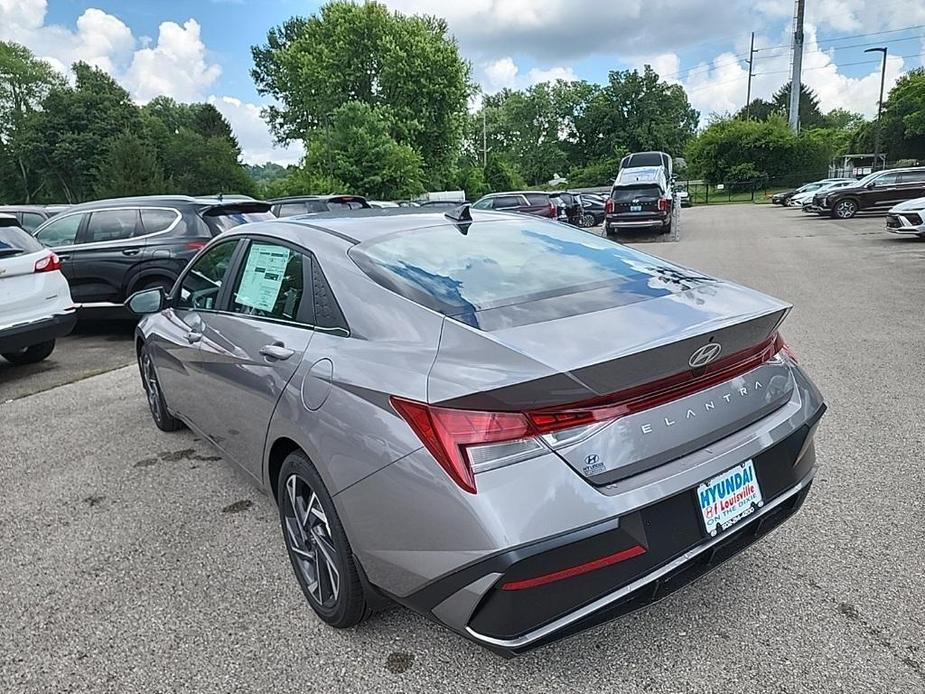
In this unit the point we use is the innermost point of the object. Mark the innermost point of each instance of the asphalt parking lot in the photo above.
(136, 561)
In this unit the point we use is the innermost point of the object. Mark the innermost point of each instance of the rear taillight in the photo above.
(664, 204)
(467, 442)
(49, 263)
(553, 211)
(458, 439)
(609, 206)
(195, 245)
(781, 345)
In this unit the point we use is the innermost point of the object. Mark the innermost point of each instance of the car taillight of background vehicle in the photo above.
(468, 442)
(664, 204)
(49, 263)
(553, 211)
(195, 245)
(609, 206)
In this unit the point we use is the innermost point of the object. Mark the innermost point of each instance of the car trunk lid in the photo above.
(623, 389)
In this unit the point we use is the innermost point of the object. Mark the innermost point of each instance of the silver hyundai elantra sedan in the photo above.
(511, 426)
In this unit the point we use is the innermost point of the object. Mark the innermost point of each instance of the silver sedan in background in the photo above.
(514, 427)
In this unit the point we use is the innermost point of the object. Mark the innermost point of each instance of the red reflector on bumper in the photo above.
(587, 567)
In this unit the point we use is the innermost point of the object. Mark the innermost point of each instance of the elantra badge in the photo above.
(708, 353)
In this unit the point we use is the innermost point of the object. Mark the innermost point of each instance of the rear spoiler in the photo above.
(236, 206)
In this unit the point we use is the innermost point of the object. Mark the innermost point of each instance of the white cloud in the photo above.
(500, 74)
(504, 73)
(252, 133)
(553, 74)
(176, 66)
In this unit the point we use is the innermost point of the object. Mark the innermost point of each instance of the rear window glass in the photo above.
(503, 263)
(537, 198)
(15, 241)
(225, 219)
(634, 192)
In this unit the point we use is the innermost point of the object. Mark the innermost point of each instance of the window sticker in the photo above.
(263, 276)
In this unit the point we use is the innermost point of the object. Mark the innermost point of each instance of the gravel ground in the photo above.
(137, 561)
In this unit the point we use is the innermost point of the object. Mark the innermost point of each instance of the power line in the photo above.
(839, 65)
(820, 39)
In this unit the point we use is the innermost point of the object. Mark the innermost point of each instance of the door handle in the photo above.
(276, 351)
(193, 337)
(131, 251)
(62, 258)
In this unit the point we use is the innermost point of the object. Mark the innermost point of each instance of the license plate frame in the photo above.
(729, 497)
(635, 208)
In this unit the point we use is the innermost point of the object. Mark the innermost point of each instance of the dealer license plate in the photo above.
(728, 498)
(635, 208)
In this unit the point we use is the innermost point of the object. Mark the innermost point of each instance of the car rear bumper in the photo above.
(646, 222)
(21, 336)
(500, 603)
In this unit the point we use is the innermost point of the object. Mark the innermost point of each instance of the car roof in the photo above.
(33, 208)
(166, 201)
(353, 227)
(300, 198)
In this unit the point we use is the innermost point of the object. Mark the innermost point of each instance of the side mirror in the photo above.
(872, 184)
(147, 301)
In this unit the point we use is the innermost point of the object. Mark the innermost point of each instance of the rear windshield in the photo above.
(631, 193)
(646, 159)
(508, 263)
(223, 219)
(15, 241)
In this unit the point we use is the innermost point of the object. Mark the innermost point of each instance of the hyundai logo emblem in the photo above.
(592, 459)
(704, 355)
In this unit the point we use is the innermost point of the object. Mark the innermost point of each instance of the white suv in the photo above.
(35, 302)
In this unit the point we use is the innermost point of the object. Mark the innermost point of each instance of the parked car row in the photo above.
(899, 191)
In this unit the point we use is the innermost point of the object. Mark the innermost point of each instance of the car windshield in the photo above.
(15, 241)
(508, 263)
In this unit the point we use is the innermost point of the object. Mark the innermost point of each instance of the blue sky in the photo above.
(200, 49)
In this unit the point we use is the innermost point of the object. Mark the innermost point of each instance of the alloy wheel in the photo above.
(845, 209)
(308, 535)
(152, 387)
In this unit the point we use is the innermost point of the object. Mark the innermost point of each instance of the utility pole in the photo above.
(751, 72)
(879, 104)
(484, 138)
(796, 80)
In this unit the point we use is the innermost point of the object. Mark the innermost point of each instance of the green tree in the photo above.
(357, 152)
(74, 128)
(760, 109)
(501, 174)
(130, 168)
(903, 119)
(406, 66)
(769, 149)
(810, 114)
(633, 112)
(25, 82)
(843, 119)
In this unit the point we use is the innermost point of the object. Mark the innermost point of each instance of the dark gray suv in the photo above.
(112, 248)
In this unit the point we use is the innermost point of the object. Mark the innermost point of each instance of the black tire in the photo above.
(345, 606)
(844, 209)
(31, 354)
(163, 420)
(666, 230)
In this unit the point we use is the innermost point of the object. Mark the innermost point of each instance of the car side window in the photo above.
(201, 285)
(155, 220)
(327, 311)
(886, 180)
(482, 204)
(62, 231)
(316, 206)
(505, 202)
(111, 225)
(537, 198)
(31, 221)
(271, 284)
(912, 177)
